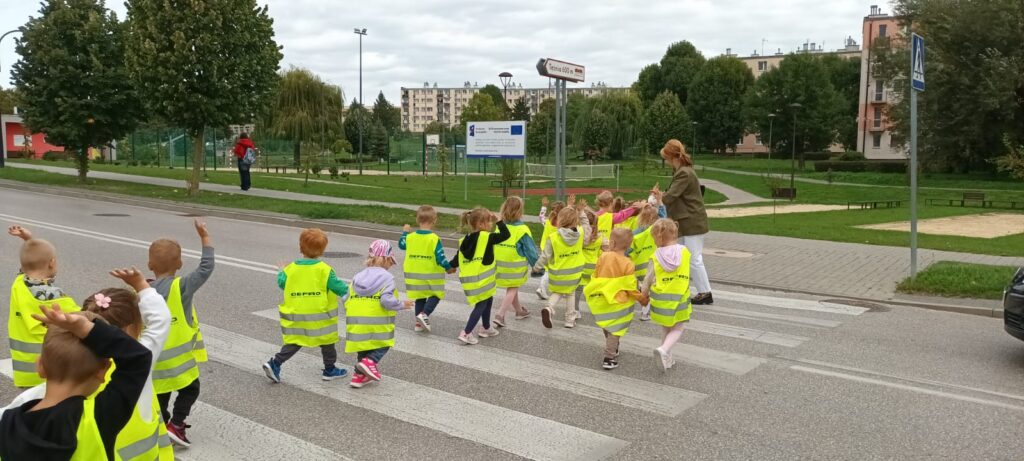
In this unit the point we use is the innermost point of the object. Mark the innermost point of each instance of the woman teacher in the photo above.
(685, 205)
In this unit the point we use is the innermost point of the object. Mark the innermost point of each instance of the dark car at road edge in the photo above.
(1013, 306)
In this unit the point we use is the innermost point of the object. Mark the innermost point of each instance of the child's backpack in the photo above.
(250, 156)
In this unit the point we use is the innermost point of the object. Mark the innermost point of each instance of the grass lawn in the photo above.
(953, 279)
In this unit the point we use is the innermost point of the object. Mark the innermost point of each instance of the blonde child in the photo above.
(643, 246)
(35, 283)
(424, 266)
(668, 286)
(513, 259)
(611, 294)
(550, 220)
(475, 261)
(563, 256)
(591, 253)
(608, 217)
(311, 290)
(370, 314)
(177, 367)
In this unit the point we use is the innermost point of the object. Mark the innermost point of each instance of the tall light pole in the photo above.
(771, 126)
(694, 137)
(506, 78)
(361, 33)
(792, 166)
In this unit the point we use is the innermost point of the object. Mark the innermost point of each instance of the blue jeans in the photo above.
(427, 305)
(376, 354)
(481, 313)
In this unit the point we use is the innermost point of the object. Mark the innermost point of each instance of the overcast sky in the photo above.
(451, 41)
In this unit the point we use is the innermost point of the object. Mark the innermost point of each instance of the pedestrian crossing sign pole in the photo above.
(916, 85)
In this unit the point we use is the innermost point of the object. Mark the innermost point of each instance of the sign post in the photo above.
(562, 72)
(501, 140)
(916, 85)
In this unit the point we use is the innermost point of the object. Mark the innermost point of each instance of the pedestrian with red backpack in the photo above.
(245, 152)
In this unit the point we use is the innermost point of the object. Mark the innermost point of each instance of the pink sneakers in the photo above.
(359, 380)
(481, 332)
(467, 338)
(369, 368)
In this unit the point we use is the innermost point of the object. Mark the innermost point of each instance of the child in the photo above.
(370, 314)
(32, 285)
(642, 248)
(591, 253)
(611, 294)
(177, 367)
(668, 285)
(513, 260)
(66, 423)
(563, 256)
(425, 266)
(475, 261)
(607, 217)
(550, 220)
(309, 313)
(143, 316)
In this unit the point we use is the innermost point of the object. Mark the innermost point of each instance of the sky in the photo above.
(410, 42)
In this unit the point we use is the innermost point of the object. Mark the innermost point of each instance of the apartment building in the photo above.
(874, 135)
(420, 106)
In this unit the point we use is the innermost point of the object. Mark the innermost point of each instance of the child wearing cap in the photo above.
(370, 313)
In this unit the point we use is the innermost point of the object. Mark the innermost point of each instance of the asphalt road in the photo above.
(759, 375)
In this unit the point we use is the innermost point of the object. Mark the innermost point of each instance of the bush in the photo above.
(811, 156)
(876, 166)
(53, 156)
(333, 170)
(852, 156)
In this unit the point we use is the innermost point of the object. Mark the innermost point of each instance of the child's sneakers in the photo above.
(525, 314)
(273, 370)
(663, 358)
(417, 328)
(545, 317)
(422, 322)
(541, 293)
(177, 434)
(330, 374)
(498, 321)
(359, 380)
(467, 338)
(481, 332)
(369, 368)
(610, 364)
(571, 322)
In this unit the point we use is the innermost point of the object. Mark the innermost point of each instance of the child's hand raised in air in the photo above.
(201, 229)
(408, 304)
(20, 232)
(406, 228)
(76, 324)
(544, 201)
(571, 201)
(582, 205)
(132, 277)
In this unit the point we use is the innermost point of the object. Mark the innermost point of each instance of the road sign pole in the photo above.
(917, 57)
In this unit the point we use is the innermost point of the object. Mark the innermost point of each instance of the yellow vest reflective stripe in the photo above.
(628, 223)
(591, 253)
(309, 314)
(566, 268)
(670, 293)
(604, 225)
(368, 325)
(423, 277)
(477, 279)
(90, 444)
(142, 440)
(25, 333)
(512, 269)
(643, 248)
(546, 234)
(609, 314)
(177, 367)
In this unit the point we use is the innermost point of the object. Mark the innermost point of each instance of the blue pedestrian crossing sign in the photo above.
(917, 62)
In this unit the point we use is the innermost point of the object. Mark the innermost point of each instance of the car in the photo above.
(1013, 306)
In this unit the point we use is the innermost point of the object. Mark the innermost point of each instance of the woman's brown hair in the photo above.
(676, 150)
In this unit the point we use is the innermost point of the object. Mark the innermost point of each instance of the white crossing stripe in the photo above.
(729, 362)
(746, 313)
(518, 433)
(790, 303)
(751, 334)
(587, 382)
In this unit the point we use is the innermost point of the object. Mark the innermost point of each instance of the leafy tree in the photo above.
(305, 109)
(202, 63)
(665, 119)
(379, 140)
(845, 76)
(675, 73)
(597, 136)
(1013, 161)
(357, 121)
(648, 84)
(624, 111)
(716, 100)
(9, 99)
(540, 132)
(71, 77)
(481, 108)
(497, 95)
(520, 111)
(388, 115)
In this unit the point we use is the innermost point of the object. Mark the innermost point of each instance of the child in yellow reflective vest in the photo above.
(609, 217)
(513, 259)
(548, 216)
(35, 283)
(370, 314)
(592, 248)
(425, 266)
(668, 286)
(643, 246)
(611, 293)
(477, 271)
(309, 312)
(563, 257)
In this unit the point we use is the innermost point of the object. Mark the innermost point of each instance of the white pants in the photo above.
(699, 282)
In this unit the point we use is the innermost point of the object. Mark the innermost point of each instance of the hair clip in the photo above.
(102, 301)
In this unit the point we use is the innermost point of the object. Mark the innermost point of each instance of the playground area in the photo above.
(985, 226)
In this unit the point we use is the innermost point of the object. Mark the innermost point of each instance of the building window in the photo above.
(762, 66)
(740, 142)
(879, 90)
(876, 140)
(878, 117)
(758, 141)
(882, 29)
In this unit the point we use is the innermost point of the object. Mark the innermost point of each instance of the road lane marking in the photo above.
(790, 303)
(750, 334)
(508, 430)
(754, 315)
(587, 382)
(905, 387)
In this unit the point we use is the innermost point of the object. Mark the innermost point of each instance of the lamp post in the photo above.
(694, 137)
(792, 166)
(771, 127)
(361, 33)
(506, 78)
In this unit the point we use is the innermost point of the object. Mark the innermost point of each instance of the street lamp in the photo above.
(694, 138)
(361, 33)
(506, 78)
(771, 127)
(792, 166)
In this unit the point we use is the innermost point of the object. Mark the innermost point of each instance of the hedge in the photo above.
(809, 156)
(876, 166)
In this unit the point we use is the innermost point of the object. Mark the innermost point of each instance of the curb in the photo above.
(371, 230)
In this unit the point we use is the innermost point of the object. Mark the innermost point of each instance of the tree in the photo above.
(716, 100)
(648, 84)
(305, 109)
(379, 141)
(358, 123)
(71, 77)
(497, 95)
(481, 108)
(596, 136)
(540, 132)
(202, 63)
(665, 119)
(389, 116)
(675, 73)
(520, 111)
(845, 76)
(1013, 161)
(9, 99)
(625, 113)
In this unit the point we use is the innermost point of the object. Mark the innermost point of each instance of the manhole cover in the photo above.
(873, 307)
(341, 254)
(112, 215)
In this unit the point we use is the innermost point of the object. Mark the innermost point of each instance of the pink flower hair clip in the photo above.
(102, 301)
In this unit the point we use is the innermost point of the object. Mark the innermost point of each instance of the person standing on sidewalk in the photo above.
(241, 147)
(685, 205)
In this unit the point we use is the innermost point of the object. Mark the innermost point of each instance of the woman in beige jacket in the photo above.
(685, 205)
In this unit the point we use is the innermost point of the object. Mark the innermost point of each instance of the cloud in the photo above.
(410, 42)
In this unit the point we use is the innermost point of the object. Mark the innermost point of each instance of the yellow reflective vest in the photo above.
(642, 249)
(309, 314)
(546, 234)
(670, 293)
(565, 270)
(424, 278)
(512, 269)
(629, 223)
(25, 333)
(609, 314)
(368, 325)
(141, 439)
(591, 253)
(177, 366)
(478, 280)
(605, 226)
(90, 444)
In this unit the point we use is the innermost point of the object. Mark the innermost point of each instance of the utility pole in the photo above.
(361, 33)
